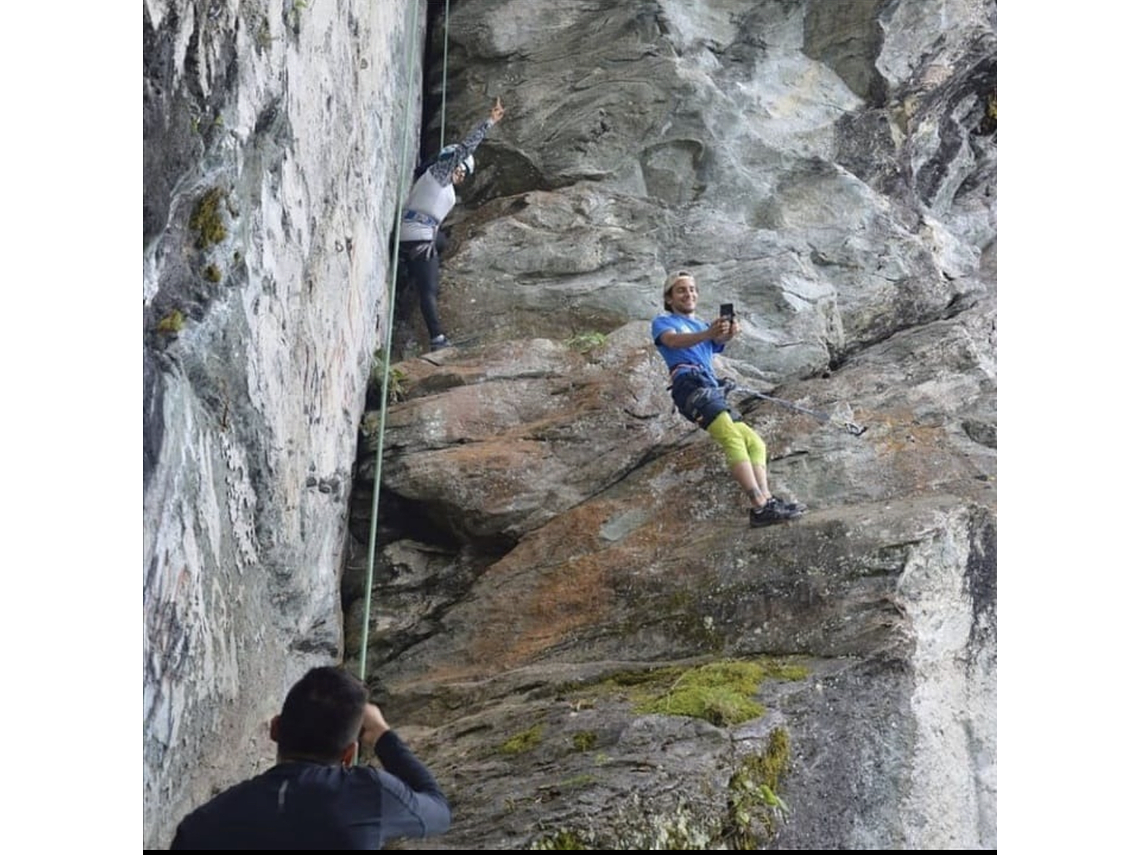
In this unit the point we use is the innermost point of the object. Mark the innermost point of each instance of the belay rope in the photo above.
(850, 427)
(413, 11)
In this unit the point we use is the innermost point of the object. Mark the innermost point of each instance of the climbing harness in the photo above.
(428, 220)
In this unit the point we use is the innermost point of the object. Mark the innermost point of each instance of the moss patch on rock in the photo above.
(560, 840)
(206, 221)
(171, 323)
(755, 808)
(720, 693)
(586, 341)
(523, 741)
(585, 740)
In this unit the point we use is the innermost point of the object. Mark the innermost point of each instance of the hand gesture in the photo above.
(373, 726)
(497, 111)
(722, 330)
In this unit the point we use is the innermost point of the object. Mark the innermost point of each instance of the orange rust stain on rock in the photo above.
(538, 604)
(570, 596)
(534, 601)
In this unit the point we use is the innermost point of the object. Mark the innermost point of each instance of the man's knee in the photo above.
(757, 450)
(724, 430)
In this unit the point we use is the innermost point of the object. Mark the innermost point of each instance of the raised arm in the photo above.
(443, 168)
(413, 803)
(719, 331)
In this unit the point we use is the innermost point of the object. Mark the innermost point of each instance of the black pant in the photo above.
(421, 262)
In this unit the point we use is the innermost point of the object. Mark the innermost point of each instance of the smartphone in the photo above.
(726, 311)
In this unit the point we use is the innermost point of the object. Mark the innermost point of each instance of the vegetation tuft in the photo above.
(206, 221)
(171, 323)
(523, 741)
(587, 341)
(720, 692)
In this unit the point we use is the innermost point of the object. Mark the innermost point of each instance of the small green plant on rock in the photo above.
(293, 16)
(397, 391)
(560, 840)
(264, 37)
(397, 378)
(587, 341)
(720, 693)
(525, 740)
(206, 221)
(755, 808)
(585, 740)
(171, 323)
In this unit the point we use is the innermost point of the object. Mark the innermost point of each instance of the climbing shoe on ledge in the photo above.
(773, 512)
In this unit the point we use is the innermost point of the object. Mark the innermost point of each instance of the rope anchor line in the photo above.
(849, 426)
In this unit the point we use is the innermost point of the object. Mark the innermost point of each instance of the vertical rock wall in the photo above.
(274, 137)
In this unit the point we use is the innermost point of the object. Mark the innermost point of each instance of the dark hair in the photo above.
(322, 715)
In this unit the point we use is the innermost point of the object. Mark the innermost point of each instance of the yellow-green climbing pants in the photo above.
(739, 441)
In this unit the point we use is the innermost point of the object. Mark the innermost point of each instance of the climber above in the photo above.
(431, 199)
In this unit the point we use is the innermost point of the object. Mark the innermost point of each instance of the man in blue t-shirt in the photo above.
(688, 344)
(314, 798)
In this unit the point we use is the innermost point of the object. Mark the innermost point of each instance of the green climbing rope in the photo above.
(443, 88)
(413, 17)
(410, 22)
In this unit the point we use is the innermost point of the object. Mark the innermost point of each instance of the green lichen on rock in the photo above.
(586, 341)
(745, 815)
(206, 221)
(171, 323)
(577, 782)
(781, 669)
(720, 693)
(755, 807)
(635, 825)
(988, 123)
(370, 426)
(560, 840)
(523, 741)
(213, 274)
(585, 740)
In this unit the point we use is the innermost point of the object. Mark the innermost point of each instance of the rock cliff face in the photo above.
(270, 188)
(563, 564)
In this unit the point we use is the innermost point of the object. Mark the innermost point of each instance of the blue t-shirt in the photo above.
(699, 354)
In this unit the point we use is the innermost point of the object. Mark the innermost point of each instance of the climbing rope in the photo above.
(443, 98)
(413, 10)
(413, 16)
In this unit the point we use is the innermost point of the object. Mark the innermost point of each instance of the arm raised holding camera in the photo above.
(413, 804)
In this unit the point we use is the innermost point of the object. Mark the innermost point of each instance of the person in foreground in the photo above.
(314, 798)
(431, 199)
(688, 344)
